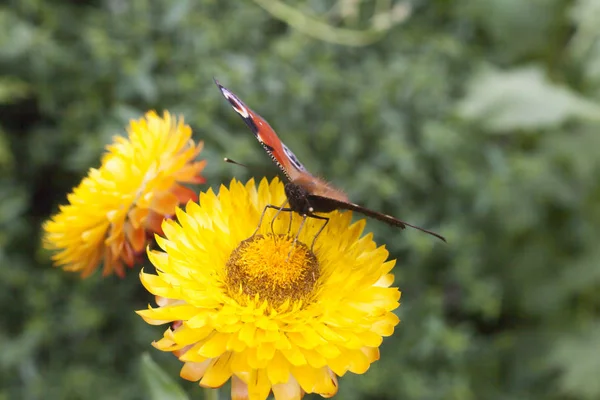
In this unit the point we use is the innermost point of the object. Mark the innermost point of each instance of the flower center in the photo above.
(272, 266)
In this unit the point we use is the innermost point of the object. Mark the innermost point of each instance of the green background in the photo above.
(479, 119)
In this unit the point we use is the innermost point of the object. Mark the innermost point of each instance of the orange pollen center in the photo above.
(272, 267)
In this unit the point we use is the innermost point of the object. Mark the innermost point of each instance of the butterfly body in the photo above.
(306, 194)
(298, 199)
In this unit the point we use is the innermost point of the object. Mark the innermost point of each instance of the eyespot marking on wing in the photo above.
(235, 103)
(293, 159)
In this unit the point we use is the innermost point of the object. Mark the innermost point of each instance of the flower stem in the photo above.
(211, 394)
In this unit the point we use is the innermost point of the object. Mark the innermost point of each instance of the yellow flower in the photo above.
(117, 207)
(261, 309)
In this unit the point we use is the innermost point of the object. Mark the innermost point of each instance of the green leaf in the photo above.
(12, 90)
(6, 156)
(160, 385)
(522, 98)
(579, 359)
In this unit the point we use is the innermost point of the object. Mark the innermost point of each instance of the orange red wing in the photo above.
(281, 155)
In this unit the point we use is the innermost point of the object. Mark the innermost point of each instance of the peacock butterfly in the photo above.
(306, 194)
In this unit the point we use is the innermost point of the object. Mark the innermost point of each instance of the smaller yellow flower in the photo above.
(117, 208)
(264, 309)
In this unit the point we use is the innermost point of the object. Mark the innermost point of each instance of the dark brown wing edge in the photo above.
(325, 204)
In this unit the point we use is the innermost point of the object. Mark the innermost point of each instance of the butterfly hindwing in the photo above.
(325, 204)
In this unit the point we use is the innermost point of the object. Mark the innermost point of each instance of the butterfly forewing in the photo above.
(279, 152)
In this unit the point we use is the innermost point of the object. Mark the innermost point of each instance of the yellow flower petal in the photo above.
(239, 390)
(215, 346)
(287, 391)
(194, 371)
(258, 385)
(218, 372)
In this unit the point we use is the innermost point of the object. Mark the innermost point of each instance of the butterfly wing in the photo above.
(279, 152)
(326, 204)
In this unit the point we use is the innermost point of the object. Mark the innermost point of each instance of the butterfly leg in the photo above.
(289, 230)
(304, 216)
(279, 209)
(320, 229)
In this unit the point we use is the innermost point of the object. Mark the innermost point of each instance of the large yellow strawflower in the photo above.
(117, 207)
(271, 314)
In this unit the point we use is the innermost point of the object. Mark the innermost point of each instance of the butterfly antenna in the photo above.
(230, 161)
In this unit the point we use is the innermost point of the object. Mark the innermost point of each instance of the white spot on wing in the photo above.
(292, 157)
(236, 103)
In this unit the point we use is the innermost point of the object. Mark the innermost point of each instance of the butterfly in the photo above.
(306, 194)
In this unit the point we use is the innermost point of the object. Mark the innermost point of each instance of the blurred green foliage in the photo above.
(477, 118)
(160, 385)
